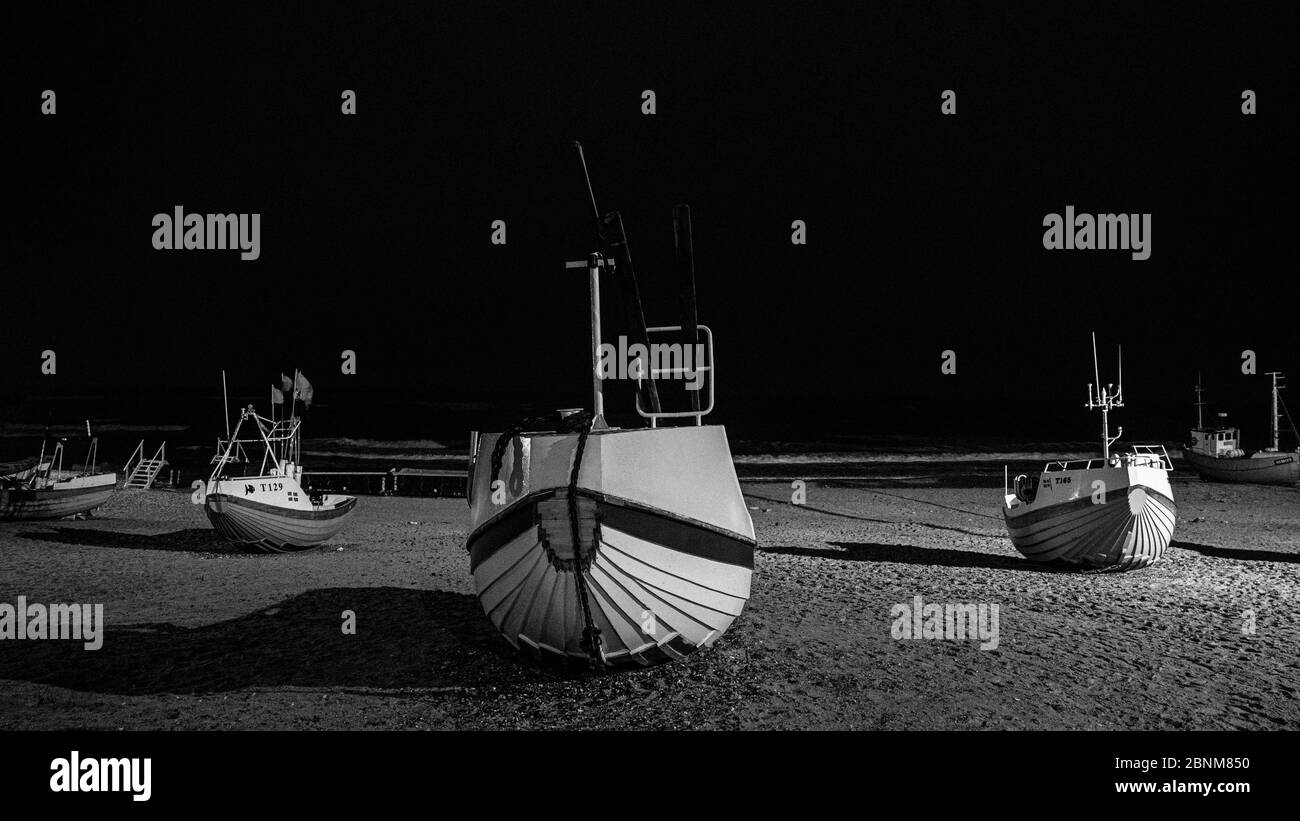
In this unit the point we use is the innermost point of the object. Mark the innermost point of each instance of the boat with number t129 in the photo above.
(615, 546)
(1116, 512)
(260, 502)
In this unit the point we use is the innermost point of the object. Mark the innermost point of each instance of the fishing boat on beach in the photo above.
(41, 489)
(260, 501)
(1216, 453)
(1116, 512)
(607, 545)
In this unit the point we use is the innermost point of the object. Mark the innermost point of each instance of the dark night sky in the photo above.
(924, 231)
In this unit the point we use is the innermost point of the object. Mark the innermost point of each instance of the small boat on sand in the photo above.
(614, 546)
(1116, 512)
(42, 489)
(1216, 454)
(260, 502)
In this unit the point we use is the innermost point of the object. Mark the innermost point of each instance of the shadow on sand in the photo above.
(416, 639)
(1239, 555)
(910, 554)
(190, 540)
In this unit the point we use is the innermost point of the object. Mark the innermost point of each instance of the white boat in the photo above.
(1217, 455)
(260, 502)
(44, 490)
(1116, 512)
(612, 546)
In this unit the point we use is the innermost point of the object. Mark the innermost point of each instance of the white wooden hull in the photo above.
(60, 499)
(1069, 524)
(273, 513)
(666, 546)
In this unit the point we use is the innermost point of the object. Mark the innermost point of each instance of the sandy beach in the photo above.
(202, 635)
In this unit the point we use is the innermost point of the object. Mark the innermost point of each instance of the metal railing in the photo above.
(136, 456)
(239, 455)
(681, 372)
(1151, 456)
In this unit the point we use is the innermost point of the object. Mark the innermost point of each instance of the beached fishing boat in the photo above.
(42, 489)
(1216, 453)
(260, 502)
(1116, 512)
(614, 546)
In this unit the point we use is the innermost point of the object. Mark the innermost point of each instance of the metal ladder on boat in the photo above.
(141, 472)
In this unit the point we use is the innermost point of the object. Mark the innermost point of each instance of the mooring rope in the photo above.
(865, 518)
(581, 424)
(590, 632)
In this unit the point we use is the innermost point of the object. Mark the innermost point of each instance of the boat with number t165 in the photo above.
(1116, 512)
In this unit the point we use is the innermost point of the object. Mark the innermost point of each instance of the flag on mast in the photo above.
(299, 386)
(303, 389)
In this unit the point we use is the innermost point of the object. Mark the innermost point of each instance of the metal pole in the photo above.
(1199, 404)
(684, 246)
(1096, 374)
(597, 388)
(591, 194)
(1105, 429)
(1273, 421)
(225, 403)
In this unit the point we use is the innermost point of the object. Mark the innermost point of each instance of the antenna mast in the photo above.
(1275, 417)
(225, 403)
(1199, 403)
(1104, 399)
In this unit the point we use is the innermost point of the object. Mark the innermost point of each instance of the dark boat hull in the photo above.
(275, 529)
(1261, 468)
(21, 504)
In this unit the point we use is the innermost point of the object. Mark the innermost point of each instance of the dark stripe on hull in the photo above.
(682, 535)
(1279, 469)
(1086, 535)
(272, 528)
(651, 601)
(51, 504)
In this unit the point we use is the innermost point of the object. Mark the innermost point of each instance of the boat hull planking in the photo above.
(274, 528)
(1260, 468)
(1128, 525)
(665, 547)
(80, 496)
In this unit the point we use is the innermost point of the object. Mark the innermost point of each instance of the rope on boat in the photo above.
(590, 632)
(579, 423)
